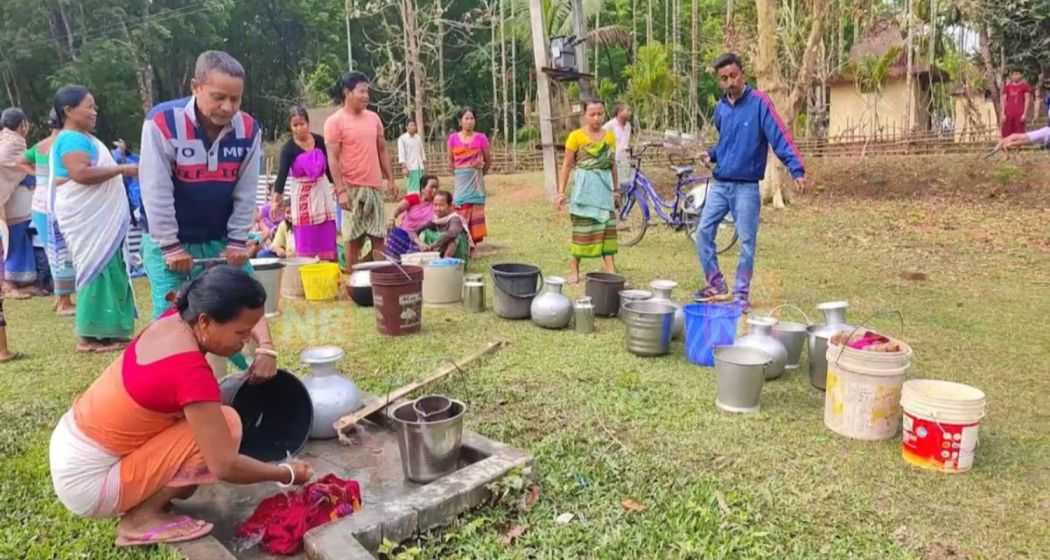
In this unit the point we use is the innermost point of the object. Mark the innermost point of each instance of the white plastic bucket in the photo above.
(863, 394)
(941, 424)
(443, 281)
(419, 259)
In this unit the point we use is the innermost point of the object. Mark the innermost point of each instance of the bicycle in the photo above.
(682, 213)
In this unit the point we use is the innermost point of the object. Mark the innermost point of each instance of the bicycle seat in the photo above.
(682, 170)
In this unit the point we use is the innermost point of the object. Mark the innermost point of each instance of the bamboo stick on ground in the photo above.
(377, 404)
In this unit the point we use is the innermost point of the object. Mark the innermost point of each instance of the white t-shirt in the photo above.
(623, 138)
(410, 152)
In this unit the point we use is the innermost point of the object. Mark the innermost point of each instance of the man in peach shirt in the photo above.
(359, 163)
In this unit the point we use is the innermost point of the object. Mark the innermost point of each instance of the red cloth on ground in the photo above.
(284, 519)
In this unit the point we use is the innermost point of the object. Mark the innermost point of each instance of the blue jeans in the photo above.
(744, 202)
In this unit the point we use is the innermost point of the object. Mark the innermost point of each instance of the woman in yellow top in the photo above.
(592, 206)
(283, 244)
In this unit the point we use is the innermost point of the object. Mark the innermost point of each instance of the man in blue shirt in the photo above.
(748, 125)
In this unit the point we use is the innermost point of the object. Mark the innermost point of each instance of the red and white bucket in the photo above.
(941, 424)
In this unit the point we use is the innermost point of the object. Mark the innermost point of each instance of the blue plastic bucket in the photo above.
(708, 325)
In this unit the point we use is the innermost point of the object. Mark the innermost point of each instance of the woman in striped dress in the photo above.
(592, 205)
(44, 223)
(469, 158)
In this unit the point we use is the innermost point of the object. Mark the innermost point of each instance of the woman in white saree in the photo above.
(91, 208)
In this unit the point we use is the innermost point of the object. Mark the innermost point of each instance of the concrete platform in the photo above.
(394, 508)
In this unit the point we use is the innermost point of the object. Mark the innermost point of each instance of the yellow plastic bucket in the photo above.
(320, 281)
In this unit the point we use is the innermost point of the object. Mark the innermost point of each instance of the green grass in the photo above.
(605, 426)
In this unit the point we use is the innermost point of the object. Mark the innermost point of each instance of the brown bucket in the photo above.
(397, 294)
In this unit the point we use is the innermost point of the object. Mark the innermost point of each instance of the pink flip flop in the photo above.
(152, 536)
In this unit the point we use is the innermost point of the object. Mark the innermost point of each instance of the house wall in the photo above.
(853, 113)
(980, 125)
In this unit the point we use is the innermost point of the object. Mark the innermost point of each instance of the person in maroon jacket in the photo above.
(1017, 95)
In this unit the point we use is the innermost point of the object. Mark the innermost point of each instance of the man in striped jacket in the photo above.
(198, 173)
(748, 126)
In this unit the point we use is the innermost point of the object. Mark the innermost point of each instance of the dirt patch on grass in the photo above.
(1020, 180)
(525, 188)
(940, 551)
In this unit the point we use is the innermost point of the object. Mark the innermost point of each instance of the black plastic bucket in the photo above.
(604, 290)
(515, 285)
(275, 415)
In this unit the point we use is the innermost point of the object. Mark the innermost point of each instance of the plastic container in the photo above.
(320, 281)
(443, 281)
(268, 273)
(275, 416)
(419, 259)
(708, 325)
(397, 295)
(513, 287)
(862, 399)
(604, 290)
(941, 424)
(291, 281)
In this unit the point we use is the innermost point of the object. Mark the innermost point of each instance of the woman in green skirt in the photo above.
(91, 208)
(592, 206)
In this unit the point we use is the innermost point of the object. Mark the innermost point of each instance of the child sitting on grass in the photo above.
(446, 232)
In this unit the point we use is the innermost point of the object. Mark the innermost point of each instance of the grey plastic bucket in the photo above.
(514, 287)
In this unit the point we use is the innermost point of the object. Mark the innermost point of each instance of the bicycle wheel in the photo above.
(631, 222)
(725, 235)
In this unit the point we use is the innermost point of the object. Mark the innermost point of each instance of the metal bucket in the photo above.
(268, 273)
(740, 374)
(649, 326)
(429, 450)
(793, 337)
(432, 408)
(627, 296)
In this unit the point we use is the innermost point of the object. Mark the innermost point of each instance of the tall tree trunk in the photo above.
(503, 71)
(495, 71)
(634, 28)
(728, 38)
(991, 72)
(439, 7)
(597, 25)
(649, 25)
(69, 32)
(347, 8)
(417, 68)
(933, 33)
(514, 89)
(406, 56)
(543, 99)
(694, 56)
(143, 68)
(767, 71)
(909, 45)
(579, 28)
